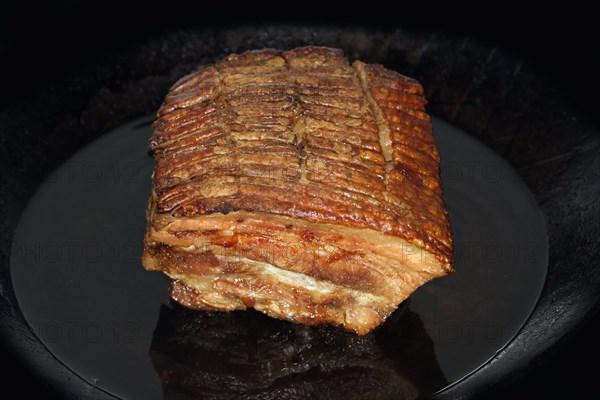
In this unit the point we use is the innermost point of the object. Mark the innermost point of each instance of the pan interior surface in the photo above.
(78, 279)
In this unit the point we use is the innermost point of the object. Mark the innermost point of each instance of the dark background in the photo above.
(41, 45)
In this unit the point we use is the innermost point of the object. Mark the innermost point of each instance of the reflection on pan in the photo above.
(246, 355)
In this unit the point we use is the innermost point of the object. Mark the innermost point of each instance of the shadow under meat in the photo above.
(247, 355)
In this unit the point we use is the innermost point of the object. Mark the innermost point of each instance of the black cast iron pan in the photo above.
(492, 95)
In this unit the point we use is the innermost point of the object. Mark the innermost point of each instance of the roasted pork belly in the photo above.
(298, 184)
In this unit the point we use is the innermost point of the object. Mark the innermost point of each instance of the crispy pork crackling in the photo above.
(298, 184)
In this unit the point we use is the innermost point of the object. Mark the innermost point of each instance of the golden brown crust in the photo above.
(297, 133)
(297, 151)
